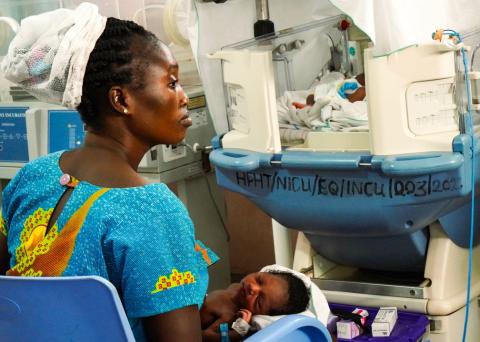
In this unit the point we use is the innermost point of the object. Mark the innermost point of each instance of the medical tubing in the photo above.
(472, 208)
(472, 178)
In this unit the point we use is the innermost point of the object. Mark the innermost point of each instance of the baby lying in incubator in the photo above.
(258, 300)
(333, 104)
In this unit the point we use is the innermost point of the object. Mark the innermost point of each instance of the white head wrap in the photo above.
(49, 54)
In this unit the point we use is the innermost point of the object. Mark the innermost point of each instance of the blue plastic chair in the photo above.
(61, 309)
(290, 328)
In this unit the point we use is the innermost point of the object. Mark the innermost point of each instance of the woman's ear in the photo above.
(116, 97)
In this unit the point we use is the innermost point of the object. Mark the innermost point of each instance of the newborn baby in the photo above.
(260, 293)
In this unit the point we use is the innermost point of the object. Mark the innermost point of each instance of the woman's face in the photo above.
(261, 292)
(159, 109)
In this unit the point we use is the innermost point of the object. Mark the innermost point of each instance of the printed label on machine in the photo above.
(13, 135)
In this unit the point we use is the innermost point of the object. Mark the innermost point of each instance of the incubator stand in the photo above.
(384, 217)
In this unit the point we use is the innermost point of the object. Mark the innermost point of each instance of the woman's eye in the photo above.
(173, 84)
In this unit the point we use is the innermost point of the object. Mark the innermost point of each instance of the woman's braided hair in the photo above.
(114, 61)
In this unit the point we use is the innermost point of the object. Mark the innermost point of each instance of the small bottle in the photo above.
(224, 332)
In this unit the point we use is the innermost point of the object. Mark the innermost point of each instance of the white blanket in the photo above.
(330, 112)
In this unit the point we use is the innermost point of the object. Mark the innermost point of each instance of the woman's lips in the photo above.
(186, 121)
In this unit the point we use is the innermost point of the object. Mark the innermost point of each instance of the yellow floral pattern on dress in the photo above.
(49, 255)
(34, 242)
(3, 225)
(173, 280)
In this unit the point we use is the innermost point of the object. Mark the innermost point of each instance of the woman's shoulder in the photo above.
(140, 215)
(151, 200)
(43, 165)
(51, 158)
(37, 172)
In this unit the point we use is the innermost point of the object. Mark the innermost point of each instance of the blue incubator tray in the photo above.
(349, 203)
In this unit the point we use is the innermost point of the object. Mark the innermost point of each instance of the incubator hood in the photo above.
(355, 194)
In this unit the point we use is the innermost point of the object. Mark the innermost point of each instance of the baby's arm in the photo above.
(358, 95)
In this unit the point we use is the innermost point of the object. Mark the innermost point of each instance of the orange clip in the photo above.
(437, 35)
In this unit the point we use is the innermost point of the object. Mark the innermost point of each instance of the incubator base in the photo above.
(450, 328)
(439, 292)
(443, 328)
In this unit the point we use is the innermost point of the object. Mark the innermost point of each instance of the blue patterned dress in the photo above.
(141, 239)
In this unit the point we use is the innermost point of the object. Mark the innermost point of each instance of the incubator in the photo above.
(383, 205)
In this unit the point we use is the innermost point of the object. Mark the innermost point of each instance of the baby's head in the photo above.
(273, 293)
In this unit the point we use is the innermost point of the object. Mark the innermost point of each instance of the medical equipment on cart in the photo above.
(385, 212)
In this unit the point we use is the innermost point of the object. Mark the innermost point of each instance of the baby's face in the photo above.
(262, 292)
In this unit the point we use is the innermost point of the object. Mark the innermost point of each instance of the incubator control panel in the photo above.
(13, 136)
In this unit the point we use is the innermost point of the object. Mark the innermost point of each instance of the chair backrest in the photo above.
(296, 328)
(61, 309)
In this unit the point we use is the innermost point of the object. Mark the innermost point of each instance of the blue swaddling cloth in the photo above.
(348, 87)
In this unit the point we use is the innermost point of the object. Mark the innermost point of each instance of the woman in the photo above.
(87, 211)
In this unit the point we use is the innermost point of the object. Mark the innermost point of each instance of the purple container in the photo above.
(410, 326)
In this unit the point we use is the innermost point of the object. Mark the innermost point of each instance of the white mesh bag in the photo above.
(49, 54)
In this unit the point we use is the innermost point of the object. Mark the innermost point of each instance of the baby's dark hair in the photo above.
(116, 59)
(298, 295)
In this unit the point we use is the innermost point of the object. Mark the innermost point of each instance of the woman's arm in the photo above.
(4, 256)
(177, 325)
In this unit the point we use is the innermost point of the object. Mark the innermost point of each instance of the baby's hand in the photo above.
(245, 314)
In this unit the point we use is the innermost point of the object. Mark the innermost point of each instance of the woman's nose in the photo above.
(183, 98)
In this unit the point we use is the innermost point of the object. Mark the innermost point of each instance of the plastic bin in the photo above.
(410, 326)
